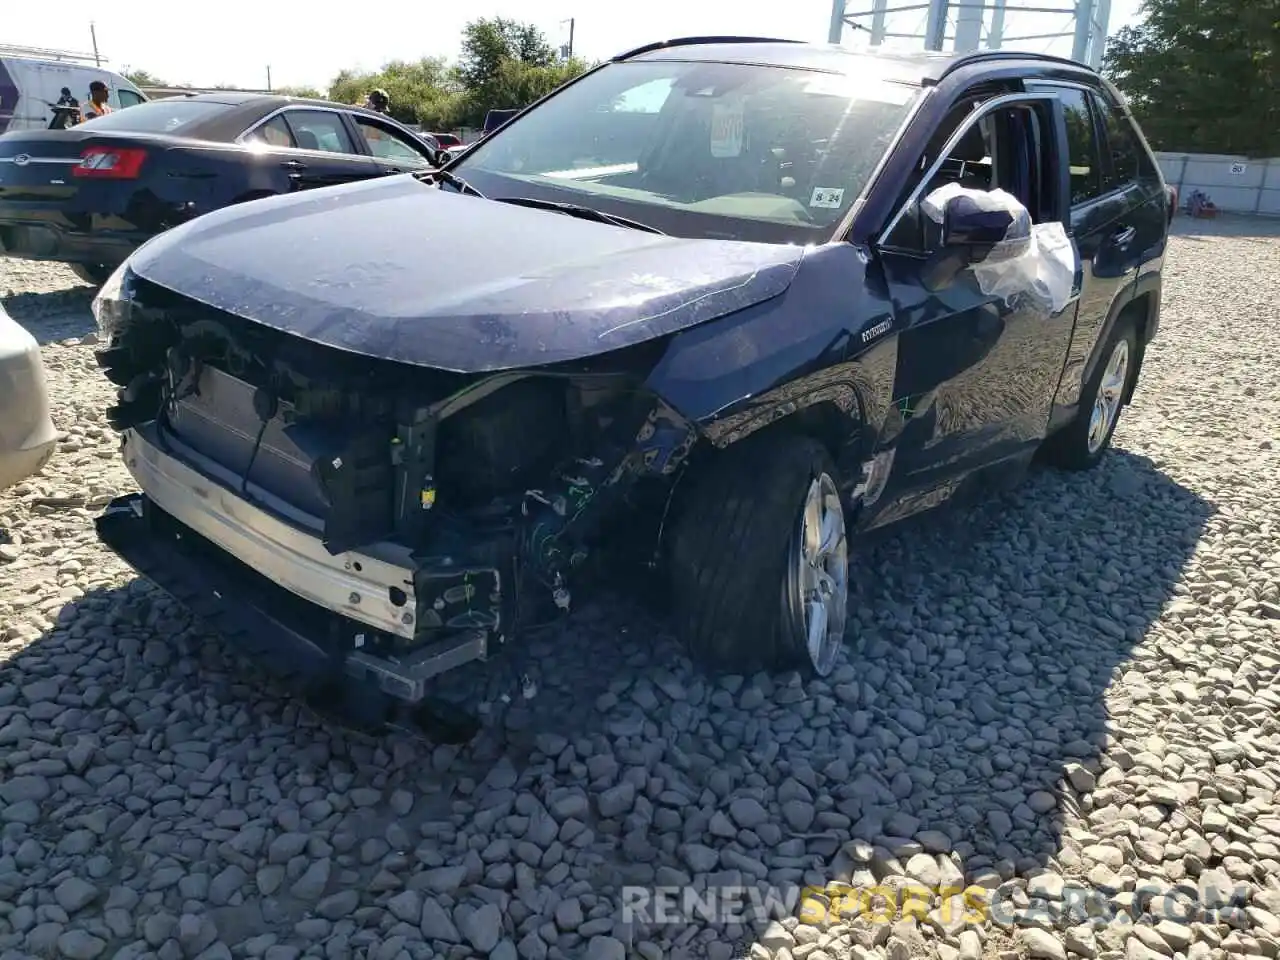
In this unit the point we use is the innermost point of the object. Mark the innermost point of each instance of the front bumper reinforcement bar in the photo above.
(294, 638)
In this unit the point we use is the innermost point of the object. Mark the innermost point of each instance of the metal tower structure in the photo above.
(967, 25)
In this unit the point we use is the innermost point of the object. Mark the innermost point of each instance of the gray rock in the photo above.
(75, 894)
(311, 885)
(226, 884)
(80, 945)
(605, 948)
(25, 789)
(340, 904)
(406, 906)
(1041, 944)
(747, 813)
(436, 924)
(482, 928)
(444, 879)
(617, 800)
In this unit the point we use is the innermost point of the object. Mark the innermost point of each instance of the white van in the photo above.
(30, 87)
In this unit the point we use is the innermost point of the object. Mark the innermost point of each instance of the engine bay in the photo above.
(501, 486)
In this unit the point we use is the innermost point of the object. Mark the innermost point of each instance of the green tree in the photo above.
(305, 93)
(420, 90)
(519, 84)
(1203, 75)
(490, 41)
(141, 78)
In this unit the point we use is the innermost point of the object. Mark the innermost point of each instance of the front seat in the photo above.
(971, 151)
(306, 140)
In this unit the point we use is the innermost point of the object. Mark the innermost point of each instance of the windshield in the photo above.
(159, 116)
(720, 150)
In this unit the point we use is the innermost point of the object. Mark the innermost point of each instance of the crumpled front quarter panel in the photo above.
(830, 339)
(409, 273)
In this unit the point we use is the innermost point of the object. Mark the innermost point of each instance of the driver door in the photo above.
(976, 375)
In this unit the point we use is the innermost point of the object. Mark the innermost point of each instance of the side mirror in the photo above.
(974, 225)
(978, 222)
(443, 156)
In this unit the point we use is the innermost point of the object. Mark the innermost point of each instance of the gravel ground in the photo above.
(1066, 701)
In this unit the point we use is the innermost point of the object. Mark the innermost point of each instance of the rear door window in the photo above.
(320, 130)
(274, 133)
(1082, 147)
(170, 115)
(1130, 163)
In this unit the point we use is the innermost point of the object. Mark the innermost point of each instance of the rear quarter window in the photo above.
(171, 115)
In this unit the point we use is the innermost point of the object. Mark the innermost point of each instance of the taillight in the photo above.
(111, 163)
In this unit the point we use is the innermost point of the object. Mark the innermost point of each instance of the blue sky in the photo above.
(307, 46)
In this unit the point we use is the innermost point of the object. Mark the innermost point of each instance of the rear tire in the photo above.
(1082, 444)
(745, 592)
(93, 273)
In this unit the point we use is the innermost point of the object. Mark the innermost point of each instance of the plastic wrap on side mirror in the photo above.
(1033, 261)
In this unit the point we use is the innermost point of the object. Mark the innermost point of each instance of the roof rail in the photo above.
(690, 41)
(47, 53)
(978, 56)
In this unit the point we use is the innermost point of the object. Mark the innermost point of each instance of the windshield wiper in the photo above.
(584, 213)
(453, 180)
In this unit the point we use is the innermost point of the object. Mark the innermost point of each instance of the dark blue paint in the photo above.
(8, 98)
(426, 276)
(789, 353)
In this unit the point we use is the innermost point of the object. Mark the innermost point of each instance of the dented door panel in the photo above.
(974, 377)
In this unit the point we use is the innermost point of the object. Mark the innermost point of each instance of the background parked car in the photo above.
(27, 434)
(89, 196)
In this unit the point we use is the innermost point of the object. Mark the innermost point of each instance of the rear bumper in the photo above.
(27, 433)
(273, 589)
(37, 235)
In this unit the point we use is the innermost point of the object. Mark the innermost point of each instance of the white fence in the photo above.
(1234, 184)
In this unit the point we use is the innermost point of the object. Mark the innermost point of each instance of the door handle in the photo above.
(1122, 238)
(293, 165)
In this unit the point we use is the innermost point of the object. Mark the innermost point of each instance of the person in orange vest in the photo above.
(97, 105)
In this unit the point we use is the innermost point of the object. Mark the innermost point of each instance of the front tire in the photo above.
(759, 560)
(1082, 444)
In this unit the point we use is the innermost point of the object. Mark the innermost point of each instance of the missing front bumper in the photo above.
(294, 638)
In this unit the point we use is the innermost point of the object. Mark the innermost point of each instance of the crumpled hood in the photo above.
(397, 269)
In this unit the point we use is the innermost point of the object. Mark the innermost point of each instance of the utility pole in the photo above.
(93, 34)
(268, 78)
(567, 50)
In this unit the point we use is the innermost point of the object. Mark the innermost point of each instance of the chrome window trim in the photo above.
(978, 112)
(296, 107)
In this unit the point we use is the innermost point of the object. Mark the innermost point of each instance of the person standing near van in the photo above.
(66, 112)
(97, 105)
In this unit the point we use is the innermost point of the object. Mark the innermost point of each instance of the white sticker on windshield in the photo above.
(726, 128)
(830, 197)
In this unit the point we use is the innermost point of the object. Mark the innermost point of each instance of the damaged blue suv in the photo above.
(711, 310)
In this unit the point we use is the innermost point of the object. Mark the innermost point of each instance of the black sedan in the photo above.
(89, 196)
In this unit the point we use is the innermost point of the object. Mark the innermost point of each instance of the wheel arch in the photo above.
(1140, 306)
